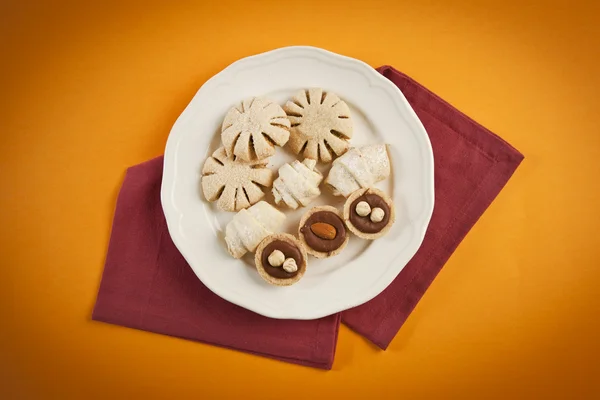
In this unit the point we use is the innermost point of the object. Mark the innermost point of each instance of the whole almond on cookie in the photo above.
(333, 243)
(324, 230)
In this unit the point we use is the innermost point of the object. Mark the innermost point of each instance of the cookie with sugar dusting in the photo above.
(360, 167)
(234, 184)
(297, 184)
(253, 128)
(320, 124)
(250, 226)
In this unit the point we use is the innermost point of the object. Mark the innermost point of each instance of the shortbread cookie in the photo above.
(369, 213)
(251, 130)
(320, 124)
(297, 184)
(234, 185)
(249, 227)
(323, 232)
(280, 259)
(359, 168)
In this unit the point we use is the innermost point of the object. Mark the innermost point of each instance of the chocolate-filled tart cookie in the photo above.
(369, 213)
(323, 232)
(281, 259)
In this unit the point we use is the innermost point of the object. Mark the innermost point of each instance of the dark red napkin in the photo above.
(472, 165)
(147, 284)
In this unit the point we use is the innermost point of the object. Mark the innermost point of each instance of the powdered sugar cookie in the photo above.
(250, 226)
(297, 184)
(320, 124)
(234, 184)
(251, 130)
(359, 168)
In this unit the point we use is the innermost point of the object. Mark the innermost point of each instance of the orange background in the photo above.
(88, 90)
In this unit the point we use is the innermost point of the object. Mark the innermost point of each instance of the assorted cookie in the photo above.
(359, 168)
(369, 213)
(297, 184)
(252, 129)
(250, 226)
(234, 184)
(323, 231)
(320, 124)
(281, 259)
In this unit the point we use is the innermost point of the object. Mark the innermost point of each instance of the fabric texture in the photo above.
(472, 165)
(147, 284)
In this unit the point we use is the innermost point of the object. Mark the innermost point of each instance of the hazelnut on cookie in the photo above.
(280, 259)
(369, 213)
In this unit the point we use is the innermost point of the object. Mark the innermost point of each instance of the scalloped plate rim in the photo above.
(173, 215)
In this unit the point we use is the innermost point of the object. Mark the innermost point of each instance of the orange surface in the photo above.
(88, 90)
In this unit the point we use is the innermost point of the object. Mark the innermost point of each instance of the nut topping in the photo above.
(324, 230)
(377, 215)
(289, 265)
(363, 209)
(276, 258)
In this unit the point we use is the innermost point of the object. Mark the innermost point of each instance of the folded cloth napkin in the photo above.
(472, 165)
(147, 284)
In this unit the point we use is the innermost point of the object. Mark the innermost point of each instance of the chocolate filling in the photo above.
(324, 245)
(289, 251)
(364, 224)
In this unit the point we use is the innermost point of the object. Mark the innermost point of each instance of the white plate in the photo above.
(380, 114)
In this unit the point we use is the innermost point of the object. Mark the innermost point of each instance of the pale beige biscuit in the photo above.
(320, 124)
(234, 184)
(251, 130)
(297, 184)
(303, 229)
(290, 239)
(359, 168)
(348, 209)
(250, 226)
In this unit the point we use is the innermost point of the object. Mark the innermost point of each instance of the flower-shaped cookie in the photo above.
(320, 124)
(251, 130)
(234, 184)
